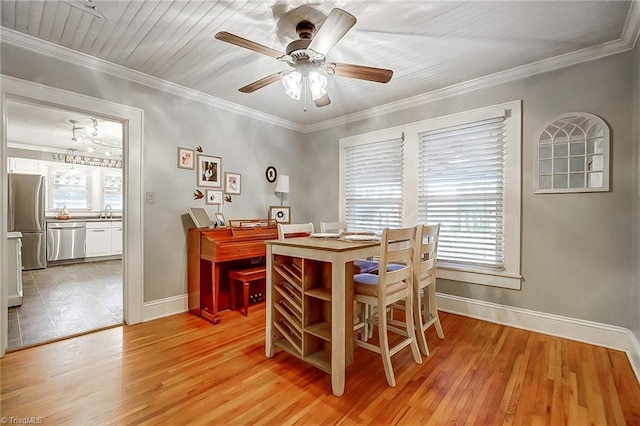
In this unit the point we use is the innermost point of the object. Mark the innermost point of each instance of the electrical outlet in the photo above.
(151, 197)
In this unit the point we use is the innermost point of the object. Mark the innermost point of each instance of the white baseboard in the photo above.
(634, 354)
(590, 332)
(164, 307)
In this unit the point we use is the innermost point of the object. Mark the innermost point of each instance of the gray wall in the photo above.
(576, 248)
(247, 146)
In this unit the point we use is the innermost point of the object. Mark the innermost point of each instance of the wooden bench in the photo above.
(245, 276)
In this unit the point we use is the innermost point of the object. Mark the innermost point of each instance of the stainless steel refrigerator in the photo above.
(26, 215)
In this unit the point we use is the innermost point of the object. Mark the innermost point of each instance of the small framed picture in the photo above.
(209, 171)
(186, 158)
(271, 174)
(281, 214)
(220, 220)
(232, 183)
(214, 196)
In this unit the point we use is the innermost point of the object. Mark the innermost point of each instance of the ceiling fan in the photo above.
(307, 56)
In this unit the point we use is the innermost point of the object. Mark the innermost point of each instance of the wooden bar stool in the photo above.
(378, 292)
(245, 276)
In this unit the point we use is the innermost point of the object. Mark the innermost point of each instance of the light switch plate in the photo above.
(150, 197)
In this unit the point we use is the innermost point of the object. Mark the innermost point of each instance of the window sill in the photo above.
(480, 276)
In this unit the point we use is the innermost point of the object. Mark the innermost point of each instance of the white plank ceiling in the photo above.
(38, 127)
(429, 45)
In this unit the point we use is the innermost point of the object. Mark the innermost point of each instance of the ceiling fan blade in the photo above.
(259, 84)
(379, 75)
(337, 24)
(248, 44)
(322, 101)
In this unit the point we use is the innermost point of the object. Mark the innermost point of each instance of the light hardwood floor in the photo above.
(183, 370)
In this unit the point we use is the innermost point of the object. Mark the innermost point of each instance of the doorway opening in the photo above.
(131, 120)
(64, 223)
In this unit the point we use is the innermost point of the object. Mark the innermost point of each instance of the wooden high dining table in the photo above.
(310, 299)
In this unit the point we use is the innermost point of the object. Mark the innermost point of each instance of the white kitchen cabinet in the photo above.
(14, 264)
(25, 165)
(116, 237)
(104, 238)
(98, 242)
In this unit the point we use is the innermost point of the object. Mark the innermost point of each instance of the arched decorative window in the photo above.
(573, 154)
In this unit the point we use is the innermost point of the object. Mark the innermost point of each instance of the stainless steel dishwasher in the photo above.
(66, 241)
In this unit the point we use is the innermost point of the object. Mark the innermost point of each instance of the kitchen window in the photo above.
(70, 187)
(112, 189)
(462, 171)
(83, 188)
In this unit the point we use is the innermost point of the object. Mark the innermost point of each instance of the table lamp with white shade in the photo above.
(282, 187)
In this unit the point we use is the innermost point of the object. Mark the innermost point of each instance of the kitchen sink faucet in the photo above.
(108, 213)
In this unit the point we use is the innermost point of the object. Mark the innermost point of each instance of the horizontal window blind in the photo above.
(461, 186)
(373, 185)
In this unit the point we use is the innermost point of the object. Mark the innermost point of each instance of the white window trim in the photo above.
(509, 278)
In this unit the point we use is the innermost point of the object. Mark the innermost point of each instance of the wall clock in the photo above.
(272, 174)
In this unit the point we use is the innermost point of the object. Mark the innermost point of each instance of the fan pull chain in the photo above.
(304, 89)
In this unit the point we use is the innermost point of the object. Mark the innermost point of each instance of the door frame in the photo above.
(132, 120)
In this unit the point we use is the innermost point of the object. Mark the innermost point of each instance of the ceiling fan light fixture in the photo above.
(307, 56)
(292, 83)
(317, 85)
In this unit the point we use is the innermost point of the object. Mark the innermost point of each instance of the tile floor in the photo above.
(64, 300)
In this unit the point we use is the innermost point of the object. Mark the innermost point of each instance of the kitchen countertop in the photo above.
(83, 219)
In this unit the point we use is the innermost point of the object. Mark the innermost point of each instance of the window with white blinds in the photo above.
(461, 186)
(373, 174)
(462, 170)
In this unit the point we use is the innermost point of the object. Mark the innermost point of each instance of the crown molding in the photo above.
(631, 29)
(546, 65)
(626, 42)
(46, 48)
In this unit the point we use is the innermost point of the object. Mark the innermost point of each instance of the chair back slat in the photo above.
(294, 230)
(398, 275)
(427, 265)
(333, 227)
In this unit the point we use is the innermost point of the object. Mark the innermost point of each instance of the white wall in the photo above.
(246, 146)
(576, 248)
